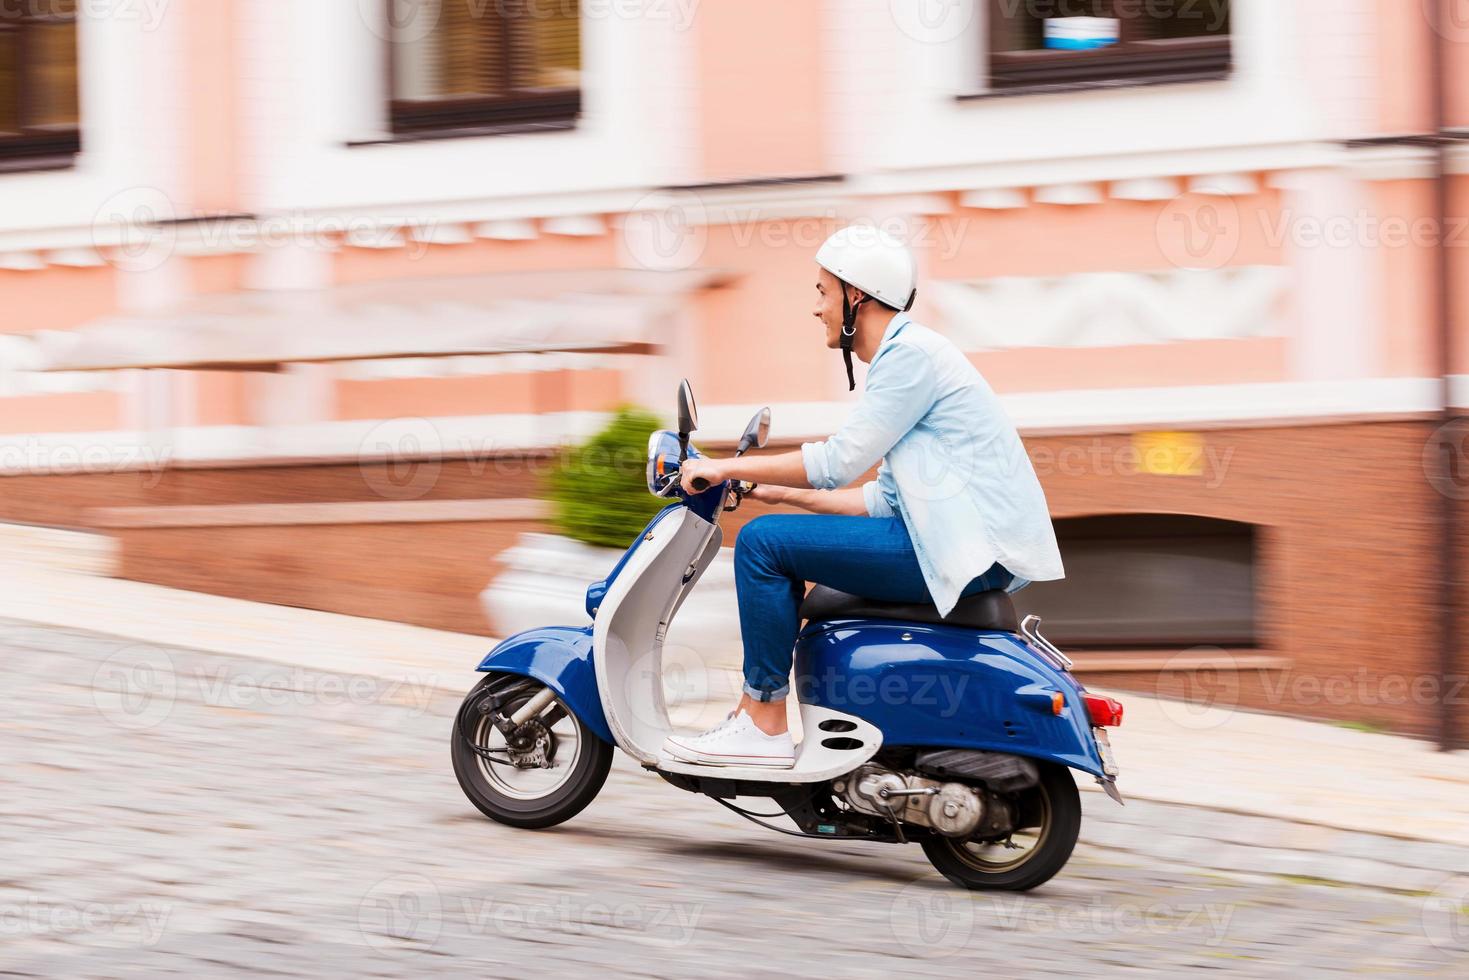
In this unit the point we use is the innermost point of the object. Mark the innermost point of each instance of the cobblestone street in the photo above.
(171, 812)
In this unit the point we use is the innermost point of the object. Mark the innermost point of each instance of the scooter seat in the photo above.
(981, 611)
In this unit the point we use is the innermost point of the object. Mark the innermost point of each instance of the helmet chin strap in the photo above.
(849, 333)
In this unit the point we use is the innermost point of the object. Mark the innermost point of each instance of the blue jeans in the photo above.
(777, 554)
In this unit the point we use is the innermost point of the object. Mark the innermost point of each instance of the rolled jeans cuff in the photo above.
(755, 694)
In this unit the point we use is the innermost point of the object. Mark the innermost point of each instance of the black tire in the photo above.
(1059, 808)
(569, 797)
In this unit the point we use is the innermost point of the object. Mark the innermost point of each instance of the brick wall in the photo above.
(1346, 569)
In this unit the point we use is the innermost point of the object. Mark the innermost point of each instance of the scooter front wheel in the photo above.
(1031, 855)
(559, 773)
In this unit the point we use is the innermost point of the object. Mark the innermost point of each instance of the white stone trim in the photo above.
(480, 365)
(1113, 309)
(75, 258)
(1458, 159)
(375, 238)
(1121, 165)
(1068, 194)
(1224, 185)
(744, 204)
(330, 513)
(1121, 409)
(21, 261)
(1221, 406)
(927, 205)
(1390, 163)
(1145, 189)
(995, 199)
(1459, 390)
(454, 234)
(480, 437)
(512, 230)
(579, 213)
(575, 225)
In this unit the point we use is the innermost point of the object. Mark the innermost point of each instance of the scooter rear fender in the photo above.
(945, 686)
(560, 657)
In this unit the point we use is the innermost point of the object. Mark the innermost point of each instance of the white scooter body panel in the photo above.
(632, 621)
(628, 641)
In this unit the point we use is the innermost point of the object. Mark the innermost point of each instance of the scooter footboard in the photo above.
(944, 686)
(561, 658)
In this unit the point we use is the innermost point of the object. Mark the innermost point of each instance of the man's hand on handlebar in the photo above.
(707, 471)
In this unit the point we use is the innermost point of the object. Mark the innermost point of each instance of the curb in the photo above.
(1262, 845)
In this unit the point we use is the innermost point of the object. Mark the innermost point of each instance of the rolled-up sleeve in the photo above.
(901, 388)
(877, 504)
(818, 474)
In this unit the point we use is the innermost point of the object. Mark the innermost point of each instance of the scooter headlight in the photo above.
(663, 456)
(662, 447)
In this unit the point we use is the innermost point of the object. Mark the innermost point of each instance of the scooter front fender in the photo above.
(560, 657)
(946, 687)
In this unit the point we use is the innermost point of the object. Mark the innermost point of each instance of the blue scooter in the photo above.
(953, 732)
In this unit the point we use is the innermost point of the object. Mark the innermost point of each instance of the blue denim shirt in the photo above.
(953, 466)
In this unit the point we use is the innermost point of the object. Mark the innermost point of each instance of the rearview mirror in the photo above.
(688, 412)
(757, 432)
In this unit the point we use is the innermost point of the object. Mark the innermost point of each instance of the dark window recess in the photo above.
(486, 65)
(38, 84)
(1157, 40)
(1150, 580)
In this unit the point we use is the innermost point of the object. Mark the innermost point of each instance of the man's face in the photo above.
(829, 307)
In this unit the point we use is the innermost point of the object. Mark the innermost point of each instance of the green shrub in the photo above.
(599, 491)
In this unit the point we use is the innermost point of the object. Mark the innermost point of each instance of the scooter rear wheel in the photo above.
(1031, 856)
(527, 798)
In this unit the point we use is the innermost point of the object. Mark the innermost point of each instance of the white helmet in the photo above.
(874, 261)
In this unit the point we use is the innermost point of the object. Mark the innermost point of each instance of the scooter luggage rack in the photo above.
(1030, 628)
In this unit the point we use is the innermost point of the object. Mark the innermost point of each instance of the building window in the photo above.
(1147, 581)
(38, 84)
(1060, 43)
(485, 65)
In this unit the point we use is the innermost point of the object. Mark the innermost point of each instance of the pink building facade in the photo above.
(1218, 239)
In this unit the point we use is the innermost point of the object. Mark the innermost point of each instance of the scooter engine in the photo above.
(951, 809)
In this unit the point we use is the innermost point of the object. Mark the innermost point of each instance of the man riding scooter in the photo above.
(955, 510)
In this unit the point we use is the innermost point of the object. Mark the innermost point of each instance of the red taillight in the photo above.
(1103, 711)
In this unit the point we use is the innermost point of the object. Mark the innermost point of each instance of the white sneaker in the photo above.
(734, 742)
